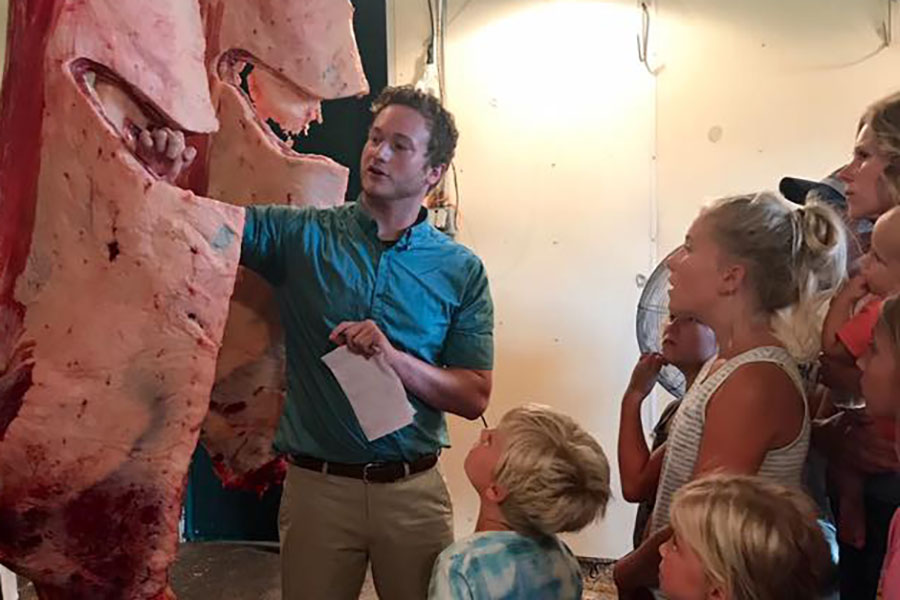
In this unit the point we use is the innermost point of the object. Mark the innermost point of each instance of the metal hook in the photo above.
(887, 28)
(642, 37)
(643, 40)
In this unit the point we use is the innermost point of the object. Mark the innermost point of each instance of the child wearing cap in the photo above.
(537, 474)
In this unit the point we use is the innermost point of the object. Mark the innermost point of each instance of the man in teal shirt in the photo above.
(377, 277)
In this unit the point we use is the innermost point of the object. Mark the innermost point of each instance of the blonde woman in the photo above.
(873, 176)
(537, 474)
(872, 187)
(743, 538)
(758, 271)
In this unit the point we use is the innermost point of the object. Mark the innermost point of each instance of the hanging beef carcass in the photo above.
(114, 283)
(297, 53)
(113, 293)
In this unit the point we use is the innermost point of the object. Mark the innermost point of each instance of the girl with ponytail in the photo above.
(760, 272)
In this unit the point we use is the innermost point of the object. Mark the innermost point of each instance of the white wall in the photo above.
(559, 187)
(555, 172)
(785, 80)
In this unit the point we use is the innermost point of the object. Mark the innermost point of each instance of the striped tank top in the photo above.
(783, 465)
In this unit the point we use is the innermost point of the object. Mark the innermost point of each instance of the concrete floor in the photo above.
(224, 570)
(213, 570)
(251, 572)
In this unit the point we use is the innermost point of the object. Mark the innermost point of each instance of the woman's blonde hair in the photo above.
(883, 117)
(755, 539)
(795, 258)
(555, 473)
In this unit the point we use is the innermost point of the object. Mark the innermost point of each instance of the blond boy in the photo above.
(537, 474)
(738, 537)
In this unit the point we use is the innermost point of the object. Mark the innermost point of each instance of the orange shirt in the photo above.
(856, 335)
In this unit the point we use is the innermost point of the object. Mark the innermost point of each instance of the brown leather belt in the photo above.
(373, 472)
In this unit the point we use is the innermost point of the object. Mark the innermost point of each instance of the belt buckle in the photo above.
(366, 468)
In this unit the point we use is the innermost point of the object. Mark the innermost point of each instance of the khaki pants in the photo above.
(330, 527)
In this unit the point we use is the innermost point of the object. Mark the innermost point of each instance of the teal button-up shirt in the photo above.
(427, 293)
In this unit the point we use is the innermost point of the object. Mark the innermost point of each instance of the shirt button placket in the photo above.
(381, 277)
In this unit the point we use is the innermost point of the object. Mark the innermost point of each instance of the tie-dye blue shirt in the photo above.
(499, 565)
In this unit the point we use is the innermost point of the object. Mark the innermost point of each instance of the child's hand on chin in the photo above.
(645, 374)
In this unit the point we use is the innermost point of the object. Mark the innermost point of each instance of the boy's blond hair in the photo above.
(756, 539)
(555, 474)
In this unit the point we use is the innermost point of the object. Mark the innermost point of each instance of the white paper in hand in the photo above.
(374, 390)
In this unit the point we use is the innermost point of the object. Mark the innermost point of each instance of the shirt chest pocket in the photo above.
(417, 310)
(338, 290)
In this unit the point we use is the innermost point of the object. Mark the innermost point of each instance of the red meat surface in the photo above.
(115, 289)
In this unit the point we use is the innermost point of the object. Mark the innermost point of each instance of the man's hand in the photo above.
(848, 437)
(461, 391)
(363, 338)
(644, 376)
(163, 150)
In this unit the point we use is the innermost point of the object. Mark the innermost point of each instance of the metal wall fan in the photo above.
(652, 316)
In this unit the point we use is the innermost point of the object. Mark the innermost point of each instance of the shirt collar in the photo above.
(412, 235)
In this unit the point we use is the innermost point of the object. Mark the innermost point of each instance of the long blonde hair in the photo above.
(755, 539)
(795, 257)
(883, 117)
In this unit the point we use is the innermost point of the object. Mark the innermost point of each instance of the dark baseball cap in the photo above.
(829, 190)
